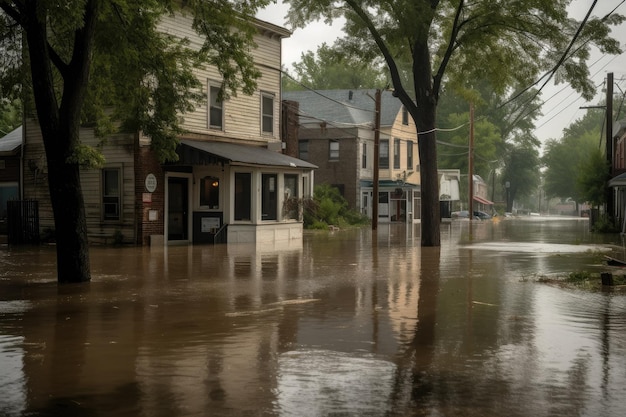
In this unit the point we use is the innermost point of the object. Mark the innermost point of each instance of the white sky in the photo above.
(561, 103)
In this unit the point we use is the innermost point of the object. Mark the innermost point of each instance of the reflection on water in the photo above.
(341, 323)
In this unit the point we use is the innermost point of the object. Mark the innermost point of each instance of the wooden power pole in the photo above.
(470, 170)
(376, 156)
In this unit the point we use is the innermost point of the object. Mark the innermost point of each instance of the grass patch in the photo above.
(583, 280)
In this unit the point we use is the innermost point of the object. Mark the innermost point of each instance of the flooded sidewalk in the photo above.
(340, 324)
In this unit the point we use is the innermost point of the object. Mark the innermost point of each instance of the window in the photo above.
(291, 186)
(396, 153)
(216, 108)
(269, 195)
(210, 192)
(291, 207)
(303, 150)
(405, 116)
(333, 150)
(383, 154)
(364, 156)
(267, 113)
(409, 155)
(243, 195)
(111, 193)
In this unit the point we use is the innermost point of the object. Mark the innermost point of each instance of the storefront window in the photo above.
(210, 192)
(243, 198)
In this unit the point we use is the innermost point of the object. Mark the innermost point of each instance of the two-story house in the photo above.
(480, 197)
(231, 182)
(336, 133)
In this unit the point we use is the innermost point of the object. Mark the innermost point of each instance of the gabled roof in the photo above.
(10, 144)
(344, 107)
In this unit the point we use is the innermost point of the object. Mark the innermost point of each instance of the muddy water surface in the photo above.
(340, 324)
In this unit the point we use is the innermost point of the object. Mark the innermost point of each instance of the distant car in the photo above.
(464, 214)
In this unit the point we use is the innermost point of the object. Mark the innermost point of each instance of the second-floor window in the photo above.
(333, 150)
(364, 156)
(267, 113)
(405, 116)
(303, 150)
(396, 154)
(216, 108)
(383, 154)
(409, 156)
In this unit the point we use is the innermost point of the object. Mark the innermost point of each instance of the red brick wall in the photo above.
(289, 131)
(146, 163)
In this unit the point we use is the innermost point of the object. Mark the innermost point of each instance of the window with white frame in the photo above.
(111, 195)
(383, 154)
(267, 113)
(216, 107)
(396, 153)
(243, 196)
(364, 156)
(210, 192)
(333, 150)
(303, 150)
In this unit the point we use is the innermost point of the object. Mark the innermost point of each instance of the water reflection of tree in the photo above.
(413, 384)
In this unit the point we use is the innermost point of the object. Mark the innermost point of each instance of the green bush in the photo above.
(605, 224)
(328, 207)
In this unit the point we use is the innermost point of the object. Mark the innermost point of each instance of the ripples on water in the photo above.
(340, 324)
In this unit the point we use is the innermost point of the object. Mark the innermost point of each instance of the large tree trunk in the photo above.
(70, 223)
(427, 146)
(59, 125)
(425, 119)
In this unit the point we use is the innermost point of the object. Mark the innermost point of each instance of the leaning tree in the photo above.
(456, 43)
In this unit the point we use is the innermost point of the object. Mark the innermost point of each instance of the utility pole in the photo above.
(376, 156)
(470, 174)
(610, 209)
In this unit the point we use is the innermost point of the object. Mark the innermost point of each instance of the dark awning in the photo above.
(483, 200)
(237, 154)
(618, 181)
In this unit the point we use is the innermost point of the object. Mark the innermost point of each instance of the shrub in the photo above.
(328, 207)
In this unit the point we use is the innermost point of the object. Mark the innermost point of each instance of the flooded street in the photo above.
(340, 324)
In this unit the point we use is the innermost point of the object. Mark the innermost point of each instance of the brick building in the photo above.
(336, 133)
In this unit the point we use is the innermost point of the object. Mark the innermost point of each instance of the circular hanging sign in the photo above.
(151, 183)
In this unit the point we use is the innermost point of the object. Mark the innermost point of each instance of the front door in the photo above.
(178, 208)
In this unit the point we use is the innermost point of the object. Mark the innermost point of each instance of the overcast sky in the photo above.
(561, 104)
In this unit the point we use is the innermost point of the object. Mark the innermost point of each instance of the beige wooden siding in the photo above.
(119, 153)
(242, 113)
(406, 133)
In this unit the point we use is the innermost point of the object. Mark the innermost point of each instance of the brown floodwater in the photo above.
(340, 324)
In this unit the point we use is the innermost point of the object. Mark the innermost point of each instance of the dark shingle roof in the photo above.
(349, 107)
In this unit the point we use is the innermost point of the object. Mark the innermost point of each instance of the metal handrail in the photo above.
(217, 237)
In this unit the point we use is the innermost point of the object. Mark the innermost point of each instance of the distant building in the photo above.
(336, 134)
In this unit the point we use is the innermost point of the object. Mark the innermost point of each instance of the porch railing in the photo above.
(220, 235)
(22, 221)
